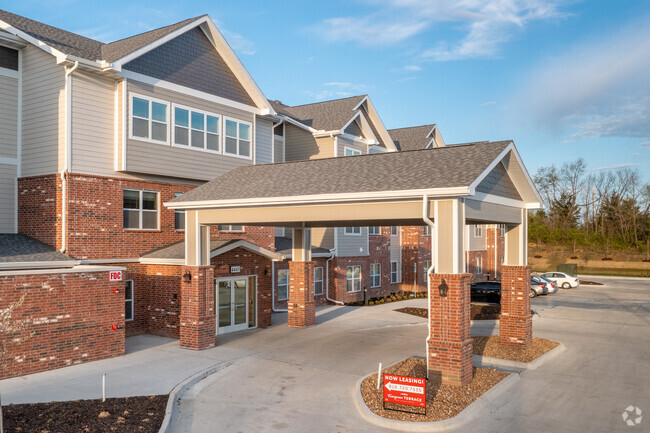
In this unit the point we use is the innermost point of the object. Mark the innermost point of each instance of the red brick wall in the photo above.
(379, 253)
(516, 319)
(197, 319)
(320, 299)
(39, 208)
(416, 249)
(302, 313)
(69, 318)
(472, 268)
(493, 260)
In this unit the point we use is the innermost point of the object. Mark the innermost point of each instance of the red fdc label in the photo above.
(116, 276)
(406, 390)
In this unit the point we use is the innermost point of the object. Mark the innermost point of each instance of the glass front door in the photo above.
(232, 299)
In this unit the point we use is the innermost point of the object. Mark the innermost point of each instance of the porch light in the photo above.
(187, 277)
(443, 288)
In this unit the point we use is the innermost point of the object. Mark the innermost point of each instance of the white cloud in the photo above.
(617, 166)
(485, 24)
(485, 104)
(349, 86)
(239, 43)
(636, 154)
(645, 144)
(338, 89)
(597, 88)
(412, 68)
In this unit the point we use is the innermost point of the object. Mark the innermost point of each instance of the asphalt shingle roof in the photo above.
(450, 166)
(411, 138)
(81, 46)
(327, 115)
(177, 249)
(284, 245)
(15, 248)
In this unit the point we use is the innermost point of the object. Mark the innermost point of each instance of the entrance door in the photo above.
(232, 301)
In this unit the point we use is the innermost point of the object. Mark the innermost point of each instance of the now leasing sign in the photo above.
(406, 390)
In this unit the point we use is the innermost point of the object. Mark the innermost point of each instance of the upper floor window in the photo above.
(374, 230)
(478, 231)
(355, 231)
(427, 230)
(230, 228)
(140, 210)
(394, 231)
(351, 152)
(179, 216)
(149, 119)
(502, 230)
(196, 129)
(238, 138)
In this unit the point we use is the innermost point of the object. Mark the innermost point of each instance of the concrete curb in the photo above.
(476, 408)
(515, 366)
(176, 393)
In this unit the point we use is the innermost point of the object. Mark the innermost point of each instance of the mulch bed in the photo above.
(480, 311)
(124, 415)
(489, 346)
(443, 401)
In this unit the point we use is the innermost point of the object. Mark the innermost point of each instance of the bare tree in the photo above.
(11, 330)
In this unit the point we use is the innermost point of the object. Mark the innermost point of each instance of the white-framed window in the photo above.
(394, 231)
(427, 230)
(280, 231)
(394, 272)
(283, 284)
(427, 265)
(375, 275)
(129, 311)
(196, 129)
(149, 119)
(353, 231)
(374, 230)
(140, 210)
(348, 151)
(238, 138)
(353, 279)
(478, 231)
(318, 280)
(479, 265)
(230, 228)
(179, 216)
(502, 230)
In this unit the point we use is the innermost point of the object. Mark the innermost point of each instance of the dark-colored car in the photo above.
(487, 291)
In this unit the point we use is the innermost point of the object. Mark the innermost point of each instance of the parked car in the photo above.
(487, 291)
(537, 287)
(563, 280)
(550, 284)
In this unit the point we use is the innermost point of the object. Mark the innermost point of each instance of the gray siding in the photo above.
(191, 60)
(491, 213)
(301, 145)
(396, 246)
(278, 149)
(43, 115)
(7, 198)
(8, 116)
(344, 142)
(165, 160)
(352, 246)
(476, 243)
(354, 129)
(264, 141)
(498, 182)
(93, 127)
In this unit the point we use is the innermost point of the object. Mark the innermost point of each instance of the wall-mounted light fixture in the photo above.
(443, 289)
(187, 277)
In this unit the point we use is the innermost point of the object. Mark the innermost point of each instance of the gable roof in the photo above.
(413, 137)
(445, 168)
(19, 250)
(176, 251)
(321, 116)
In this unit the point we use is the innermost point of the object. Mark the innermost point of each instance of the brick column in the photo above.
(197, 319)
(516, 320)
(301, 305)
(450, 345)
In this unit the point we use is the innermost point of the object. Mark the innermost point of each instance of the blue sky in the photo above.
(564, 79)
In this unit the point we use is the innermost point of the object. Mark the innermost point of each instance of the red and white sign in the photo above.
(116, 276)
(406, 390)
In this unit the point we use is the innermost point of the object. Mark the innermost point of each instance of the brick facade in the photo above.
(198, 320)
(319, 299)
(416, 249)
(472, 266)
(516, 319)
(39, 208)
(450, 345)
(67, 317)
(302, 307)
(495, 252)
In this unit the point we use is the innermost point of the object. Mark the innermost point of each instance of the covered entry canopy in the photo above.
(483, 182)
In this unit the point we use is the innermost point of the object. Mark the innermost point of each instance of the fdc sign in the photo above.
(116, 276)
(405, 390)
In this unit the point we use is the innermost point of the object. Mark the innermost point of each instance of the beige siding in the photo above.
(344, 142)
(165, 160)
(43, 113)
(264, 141)
(93, 127)
(301, 145)
(278, 149)
(352, 246)
(7, 198)
(8, 116)
(322, 237)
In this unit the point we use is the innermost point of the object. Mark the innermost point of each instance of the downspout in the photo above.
(68, 155)
(273, 309)
(327, 279)
(425, 217)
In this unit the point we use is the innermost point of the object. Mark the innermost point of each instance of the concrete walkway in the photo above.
(302, 380)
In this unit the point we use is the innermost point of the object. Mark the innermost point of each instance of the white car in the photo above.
(563, 280)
